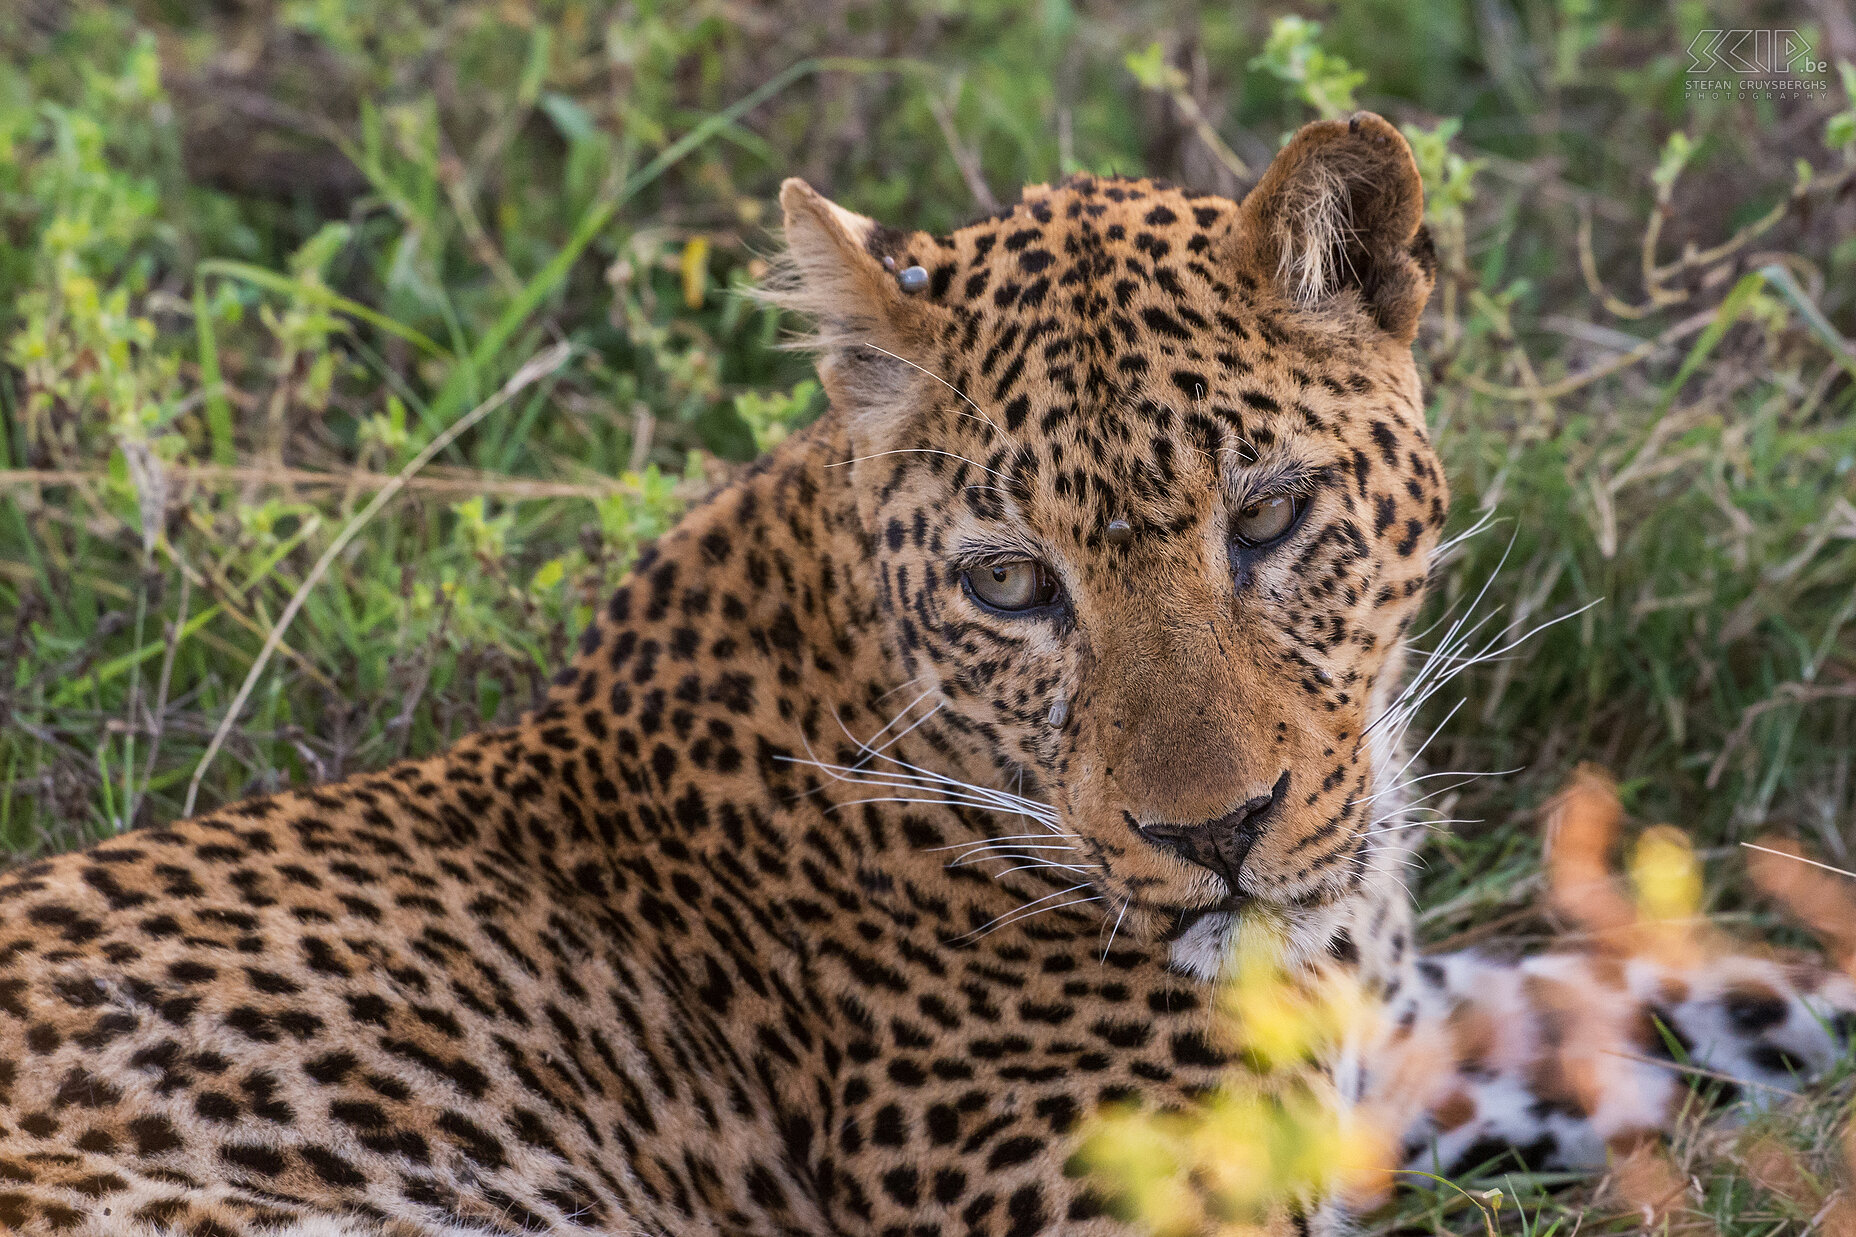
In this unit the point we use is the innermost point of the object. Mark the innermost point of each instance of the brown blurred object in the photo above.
(1650, 1185)
(1583, 825)
(1822, 900)
(1582, 828)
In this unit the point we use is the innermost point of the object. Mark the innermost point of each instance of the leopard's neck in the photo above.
(767, 578)
(747, 648)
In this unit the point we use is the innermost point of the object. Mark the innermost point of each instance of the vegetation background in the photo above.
(350, 348)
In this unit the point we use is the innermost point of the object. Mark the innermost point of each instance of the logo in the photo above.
(1738, 65)
(1753, 53)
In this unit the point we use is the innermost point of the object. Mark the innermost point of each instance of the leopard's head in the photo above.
(1146, 478)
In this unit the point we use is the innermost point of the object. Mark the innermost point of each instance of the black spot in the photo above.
(332, 1168)
(943, 1125)
(904, 1185)
(1026, 1209)
(153, 1135)
(1193, 385)
(1165, 323)
(1342, 949)
(1012, 1151)
(1775, 1059)
(265, 1161)
(1752, 1010)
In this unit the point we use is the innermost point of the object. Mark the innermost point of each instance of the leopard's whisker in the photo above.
(1394, 780)
(1028, 867)
(1410, 824)
(828, 768)
(984, 419)
(1126, 902)
(1031, 913)
(898, 687)
(988, 857)
(914, 773)
(1450, 545)
(877, 455)
(1465, 776)
(1029, 908)
(1408, 704)
(1044, 808)
(904, 732)
(905, 799)
(1454, 637)
(1019, 853)
(858, 773)
(963, 792)
(1011, 838)
(979, 856)
(977, 796)
(864, 745)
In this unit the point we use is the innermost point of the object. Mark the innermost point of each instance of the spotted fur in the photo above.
(684, 951)
(1566, 1059)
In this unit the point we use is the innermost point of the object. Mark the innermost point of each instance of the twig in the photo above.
(1566, 386)
(157, 720)
(1175, 85)
(428, 660)
(1482, 931)
(456, 182)
(1684, 1068)
(1525, 887)
(1208, 133)
(450, 481)
(1785, 693)
(537, 369)
(1800, 859)
(964, 157)
(1656, 277)
(644, 428)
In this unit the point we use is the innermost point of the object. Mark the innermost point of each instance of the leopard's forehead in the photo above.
(1083, 246)
(1110, 335)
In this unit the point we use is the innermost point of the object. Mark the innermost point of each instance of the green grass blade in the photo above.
(218, 408)
(1731, 306)
(456, 392)
(116, 667)
(1814, 318)
(320, 296)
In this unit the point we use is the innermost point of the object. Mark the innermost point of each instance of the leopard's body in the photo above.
(684, 951)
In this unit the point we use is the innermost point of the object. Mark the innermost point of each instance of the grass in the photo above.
(254, 263)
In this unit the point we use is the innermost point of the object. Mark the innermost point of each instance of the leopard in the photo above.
(1632, 1024)
(895, 813)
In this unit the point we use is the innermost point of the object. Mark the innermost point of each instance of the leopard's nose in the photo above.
(1221, 846)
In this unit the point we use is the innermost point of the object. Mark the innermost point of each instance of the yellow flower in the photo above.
(1666, 874)
(1273, 1132)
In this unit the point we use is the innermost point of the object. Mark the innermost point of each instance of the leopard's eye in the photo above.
(1021, 584)
(1265, 520)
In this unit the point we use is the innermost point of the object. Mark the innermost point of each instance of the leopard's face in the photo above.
(1152, 502)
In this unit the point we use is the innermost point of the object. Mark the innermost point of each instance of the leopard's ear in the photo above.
(865, 323)
(1337, 222)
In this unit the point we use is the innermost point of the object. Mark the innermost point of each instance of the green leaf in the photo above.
(316, 294)
(1150, 68)
(218, 408)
